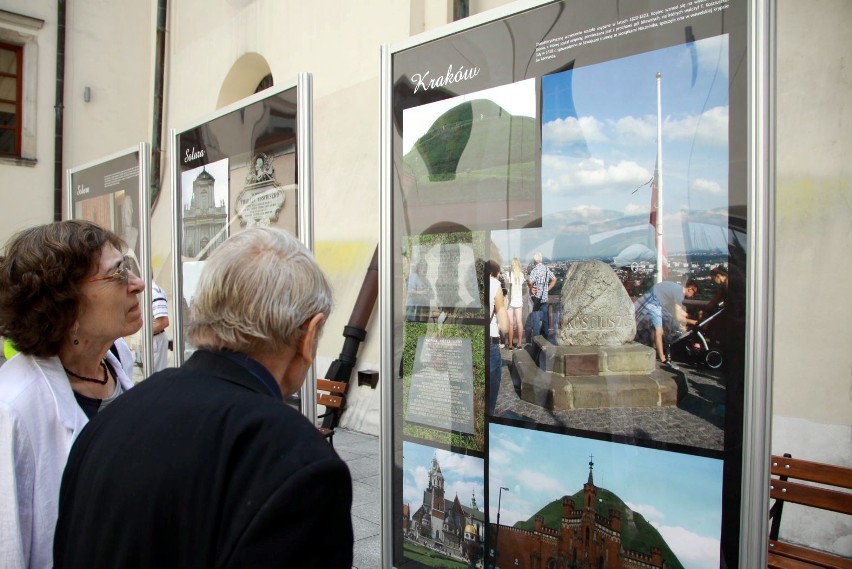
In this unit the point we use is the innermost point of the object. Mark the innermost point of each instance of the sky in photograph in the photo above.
(599, 135)
(463, 475)
(679, 494)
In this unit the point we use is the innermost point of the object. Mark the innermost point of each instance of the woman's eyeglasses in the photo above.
(121, 274)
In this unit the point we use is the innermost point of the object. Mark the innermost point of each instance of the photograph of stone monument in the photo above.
(443, 384)
(472, 157)
(204, 215)
(623, 211)
(443, 517)
(563, 501)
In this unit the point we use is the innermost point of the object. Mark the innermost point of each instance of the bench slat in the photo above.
(338, 387)
(787, 556)
(814, 496)
(330, 400)
(811, 471)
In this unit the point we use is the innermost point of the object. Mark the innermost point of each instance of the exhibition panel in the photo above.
(113, 192)
(582, 168)
(248, 165)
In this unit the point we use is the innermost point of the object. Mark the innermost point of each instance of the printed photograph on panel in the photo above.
(99, 209)
(443, 510)
(443, 276)
(265, 192)
(474, 155)
(443, 384)
(562, 501)
(619, 296)
(204, 202)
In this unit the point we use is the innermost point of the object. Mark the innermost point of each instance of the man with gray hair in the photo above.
(205, 465)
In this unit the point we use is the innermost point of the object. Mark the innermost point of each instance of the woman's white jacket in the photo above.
(39, 420)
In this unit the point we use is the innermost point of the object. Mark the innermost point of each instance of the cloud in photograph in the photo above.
(570, 130)
(567, 176)
(693, 550)
(710, 127)
(708, 187)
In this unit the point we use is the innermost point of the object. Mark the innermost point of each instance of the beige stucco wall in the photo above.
(114, 61)
(26, 191)
(812, 379)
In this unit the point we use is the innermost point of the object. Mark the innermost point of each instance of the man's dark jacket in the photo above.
(202, 467)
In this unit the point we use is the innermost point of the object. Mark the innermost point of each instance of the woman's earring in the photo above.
(75, 341)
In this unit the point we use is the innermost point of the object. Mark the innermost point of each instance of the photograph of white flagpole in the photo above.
(657, 193)
(605, 130)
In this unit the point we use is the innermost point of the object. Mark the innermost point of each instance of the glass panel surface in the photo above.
(235, 171)
(108, 194)
(586, 162)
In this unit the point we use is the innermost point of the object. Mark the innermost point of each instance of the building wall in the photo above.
(812, 368)
(114, 61)
(26, 187)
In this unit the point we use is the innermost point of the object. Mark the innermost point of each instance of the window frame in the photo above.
(18, 102)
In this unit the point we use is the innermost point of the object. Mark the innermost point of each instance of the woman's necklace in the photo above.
(90, 379)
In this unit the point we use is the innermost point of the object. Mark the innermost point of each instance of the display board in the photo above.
(113, 192)
(598, 150)
(247, 165)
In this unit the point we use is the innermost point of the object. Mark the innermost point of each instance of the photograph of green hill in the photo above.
(471, 157)
(566, 500)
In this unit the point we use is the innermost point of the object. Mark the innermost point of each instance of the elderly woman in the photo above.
(66, 296)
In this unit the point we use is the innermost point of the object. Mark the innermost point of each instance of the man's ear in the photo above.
(309, 340)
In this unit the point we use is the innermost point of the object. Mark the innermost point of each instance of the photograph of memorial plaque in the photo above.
(204, 215)
(267, 197)
(443, 508)
(443, 276)
(564, 501)
(443, 384)
(599, 367)
(474, 154)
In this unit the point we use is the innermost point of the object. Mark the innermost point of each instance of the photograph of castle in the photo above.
(442, 518)
(204, 215)
(559, 501)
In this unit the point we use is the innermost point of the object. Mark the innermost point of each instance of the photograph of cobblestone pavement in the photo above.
(696, 421)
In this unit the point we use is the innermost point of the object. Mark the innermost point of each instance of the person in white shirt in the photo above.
(67, 297)
(160, 309)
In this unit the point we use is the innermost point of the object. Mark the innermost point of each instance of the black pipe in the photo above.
(159, 73)
(355, 332)
(58, 170)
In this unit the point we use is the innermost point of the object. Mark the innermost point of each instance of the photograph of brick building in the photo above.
(586, 538)
(560, 501)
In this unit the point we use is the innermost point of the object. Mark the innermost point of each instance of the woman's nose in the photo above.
(135, 283)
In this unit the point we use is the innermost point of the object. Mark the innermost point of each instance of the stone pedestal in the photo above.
(577, 377)
(630, 358)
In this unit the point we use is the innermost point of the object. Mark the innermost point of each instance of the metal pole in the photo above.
(658, 178)
(497, 531)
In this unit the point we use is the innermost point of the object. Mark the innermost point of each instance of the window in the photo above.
(11, 84)
(19, 36)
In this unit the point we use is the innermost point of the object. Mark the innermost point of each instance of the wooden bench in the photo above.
(332, 394)
(784, 486)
